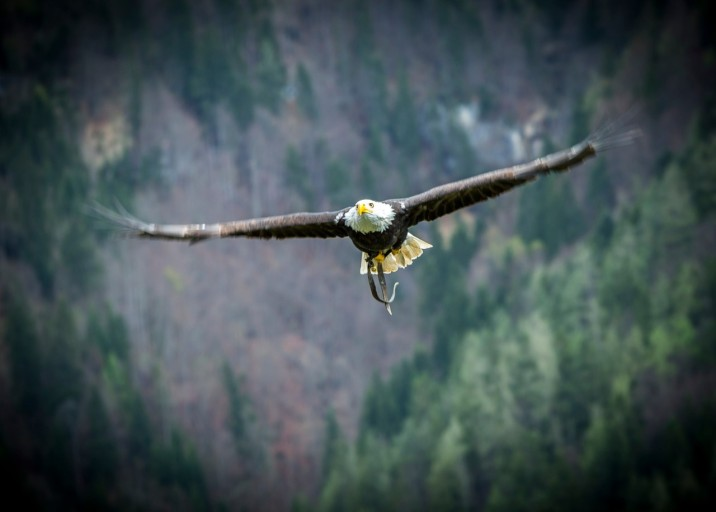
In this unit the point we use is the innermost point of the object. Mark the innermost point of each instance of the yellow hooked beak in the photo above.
(363, 208)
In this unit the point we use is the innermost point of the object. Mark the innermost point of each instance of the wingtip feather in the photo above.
(620, 132)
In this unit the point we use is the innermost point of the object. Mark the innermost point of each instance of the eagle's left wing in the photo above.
(450, 197)
(295, 225)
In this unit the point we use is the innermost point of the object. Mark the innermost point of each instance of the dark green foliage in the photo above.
(37, 37)
(549, 213)
(205, 78)
(366, 77)
(454, 306)
(298, 178)
(140, 435)
(108, 332)
(306, 96)
(338, 182)
(447, 479)
(456, 155)
(59, 451)
(581, 121)
(235, 61)
(240, 418)
(270, 71)
(600, 193)
(461, 26)
(62, 373)
(73, 397)
(375, 149)
(699, 168)
(448, 303)
(386, 404)
(367, 179)
(178, 52)
(201, 69)
(175, 464)
(301, 504)
(101, 457)
(46, 185)
(334, 446)
(703, 317)
(77, 254)
(404, 122)
(240, 97)
(22, 341)
(597, 21)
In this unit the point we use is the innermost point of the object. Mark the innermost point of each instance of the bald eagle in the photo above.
(379, 229)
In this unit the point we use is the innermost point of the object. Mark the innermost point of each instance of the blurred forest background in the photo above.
(555, 350)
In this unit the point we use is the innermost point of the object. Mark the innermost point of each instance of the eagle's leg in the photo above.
(373, 289)
(384, 288)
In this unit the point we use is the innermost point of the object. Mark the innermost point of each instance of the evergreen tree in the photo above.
(62, 376)
(699, 170)
(334, 446)
(338, 182)
(270, 71)
(404, 123)
(297, 175)
(306, 96)
(25, 359)
(240, 97)
(447, 481)
(100, 457)
(239, 419)
(549, 213)
(108, 332)
(175, 464)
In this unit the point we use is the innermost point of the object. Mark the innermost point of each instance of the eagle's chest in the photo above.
(379, 241)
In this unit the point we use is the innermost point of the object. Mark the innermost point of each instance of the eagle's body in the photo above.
(379, 229)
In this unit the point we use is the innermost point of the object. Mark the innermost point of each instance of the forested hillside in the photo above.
(554, 350)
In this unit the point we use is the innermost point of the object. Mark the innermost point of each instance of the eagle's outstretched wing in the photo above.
(445, 199)
(295, 225)
(426, 206)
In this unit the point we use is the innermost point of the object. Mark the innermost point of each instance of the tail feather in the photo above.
(411, 249)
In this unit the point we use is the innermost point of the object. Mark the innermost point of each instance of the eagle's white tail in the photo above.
(411, 249)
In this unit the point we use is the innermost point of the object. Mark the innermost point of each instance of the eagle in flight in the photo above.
(379, 229)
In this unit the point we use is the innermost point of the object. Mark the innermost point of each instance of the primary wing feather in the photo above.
(296, 225)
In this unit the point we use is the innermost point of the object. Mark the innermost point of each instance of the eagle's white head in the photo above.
(368, 216)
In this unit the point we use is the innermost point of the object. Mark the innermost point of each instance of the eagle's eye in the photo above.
(371, 205)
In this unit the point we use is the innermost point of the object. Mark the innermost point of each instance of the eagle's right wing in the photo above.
(450, 197)
(295, 225)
